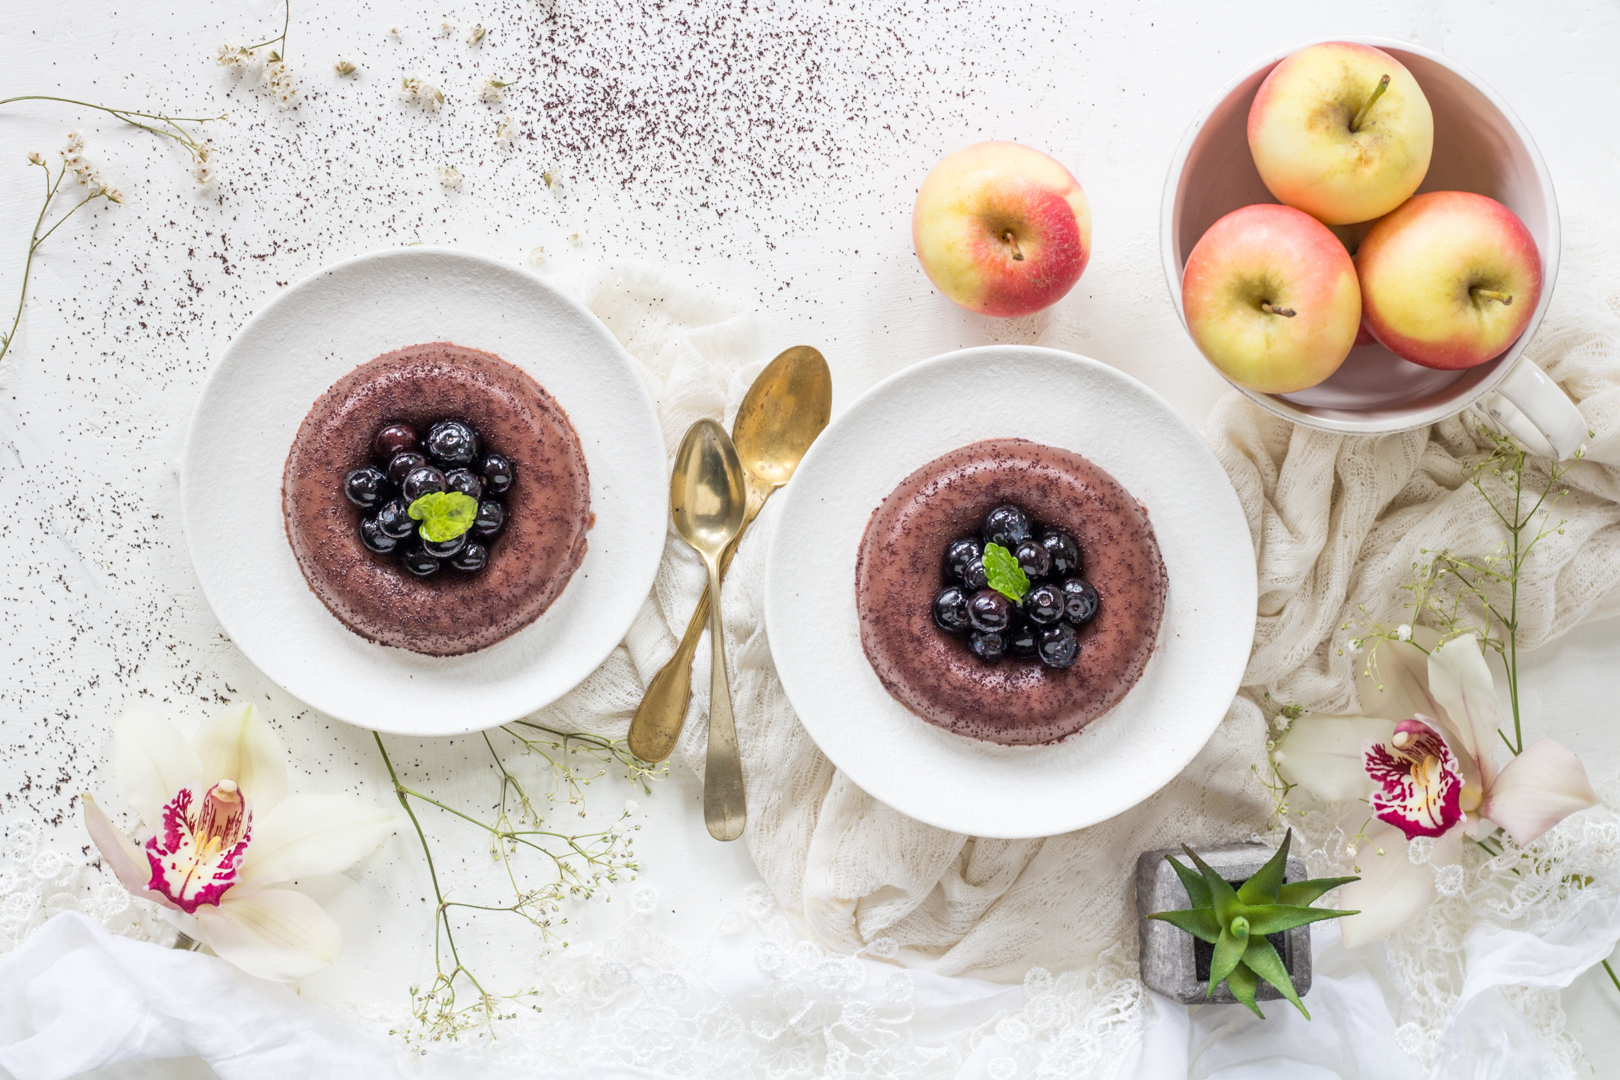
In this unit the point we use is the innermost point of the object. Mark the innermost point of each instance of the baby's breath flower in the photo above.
(450, 176)
(282, 84)
(202, 168)
(505, 130)
(490, 90)
(235, 57)
(345, 66)
(1403, 632)
(393, 32)
(36, 158)
(418, 91)
(86, 173)
(537, 256)
(475, 36)
(113, 195)
(445, 29)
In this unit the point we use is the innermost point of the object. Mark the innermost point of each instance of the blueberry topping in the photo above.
(1043, 605)
(951, 610)
(452, 443)
(394, 520)
(471, 558)
(444, 549)
(393, 439)
(988, 646)
(1079, 601)
(365, 487)
(419, 562)
(1022, 638)
(372, 535)
(1033, 560)
(401, 464)
(974, 577)
(1064, 551)
(491, 516)
(464, 481)
(989, 611)
(960, 555)
(498, 475)
(1059, 645)
(420, 481)
(1008, 526)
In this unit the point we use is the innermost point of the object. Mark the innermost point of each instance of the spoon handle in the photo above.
(725, 807)
(657, 724)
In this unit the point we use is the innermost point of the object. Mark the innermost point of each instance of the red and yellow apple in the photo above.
(1449, 280)
(1271, 298)
(1342, 132)
(1001, 229)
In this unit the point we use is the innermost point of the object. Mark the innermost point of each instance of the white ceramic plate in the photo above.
(963, 784)
(287, 356)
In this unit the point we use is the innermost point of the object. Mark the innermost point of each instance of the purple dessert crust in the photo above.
(548, 507)
(1015, 702)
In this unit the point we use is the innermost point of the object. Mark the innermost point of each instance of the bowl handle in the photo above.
(1536, 411)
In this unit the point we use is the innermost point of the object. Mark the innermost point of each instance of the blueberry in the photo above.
(464, 481)
(1008, 526)
(393, 439)
(989, 611)
(960, 555)
(420, 481)
(394, 520)
(951, 610)
(1022, 638)
(372, 535)
(365, 487)
(974, 577)
(987, 646)
(452, 443)
(491, 516)
(1064, 550)
(1043, 605)
(419, 562)
(1079, 601)
(1059, 645)
(401, 464)
(498, 474)
(444, 549)
(1033, 559)
(471, 558)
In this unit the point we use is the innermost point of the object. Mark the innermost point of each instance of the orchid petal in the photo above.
(313, 834)
(124, 858)
(1536, 790)
(1322, 754)
(273, 933)
(1461, 683)
(1397, 687)
(238, 744)
(1391, 892)
(152, 762)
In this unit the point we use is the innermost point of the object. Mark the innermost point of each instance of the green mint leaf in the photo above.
(1004, 573)
(444, 515)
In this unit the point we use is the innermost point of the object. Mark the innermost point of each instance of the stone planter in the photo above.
(1176, 964)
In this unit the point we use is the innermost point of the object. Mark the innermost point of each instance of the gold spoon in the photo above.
(784, 410)
(708, 499)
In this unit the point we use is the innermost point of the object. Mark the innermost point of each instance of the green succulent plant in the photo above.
(1236, 921)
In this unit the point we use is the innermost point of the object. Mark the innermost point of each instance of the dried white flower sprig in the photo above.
(450, 176)
(489, 91)
(419, 91)
(476, 35)
(345, 67)
(506, 130)
(278, 77)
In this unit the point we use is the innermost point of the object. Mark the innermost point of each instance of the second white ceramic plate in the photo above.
(963, 784)
(301, 343)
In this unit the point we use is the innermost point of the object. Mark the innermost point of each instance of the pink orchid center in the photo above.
(1419, 781)
(197, 853)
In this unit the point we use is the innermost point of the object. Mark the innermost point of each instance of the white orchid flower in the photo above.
(224, 828)
(1423, 760)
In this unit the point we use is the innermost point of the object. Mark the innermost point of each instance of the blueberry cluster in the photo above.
(1053, 600)
(404, 469)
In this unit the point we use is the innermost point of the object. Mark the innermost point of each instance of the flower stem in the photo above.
(1612, 977)
(130, 116)
(286, 21)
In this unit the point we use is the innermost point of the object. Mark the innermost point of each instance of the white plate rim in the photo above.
(646, 517)
(822, 698)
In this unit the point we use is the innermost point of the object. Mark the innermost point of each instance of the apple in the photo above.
(1449, 280)
(1271, 298)
(1001, 229)
(1342, 132)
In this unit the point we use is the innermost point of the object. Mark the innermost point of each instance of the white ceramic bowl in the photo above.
(1479, 146)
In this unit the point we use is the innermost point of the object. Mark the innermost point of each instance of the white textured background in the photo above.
(768, 151)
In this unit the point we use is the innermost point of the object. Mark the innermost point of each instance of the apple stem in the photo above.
(1271, 309)
(1383, 84)
(1506, 299)
(1012, 241)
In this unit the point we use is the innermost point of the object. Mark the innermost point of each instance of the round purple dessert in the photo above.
(913, 554)
(514, 561)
